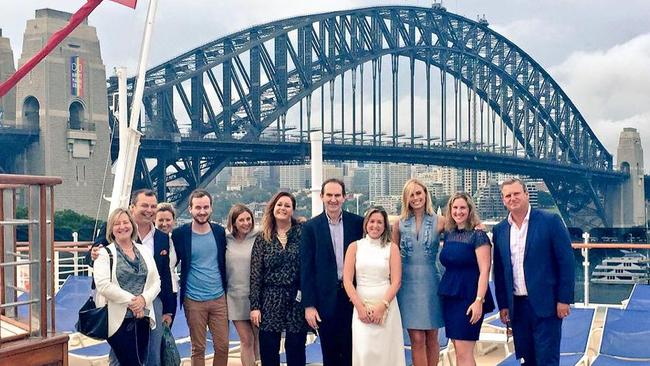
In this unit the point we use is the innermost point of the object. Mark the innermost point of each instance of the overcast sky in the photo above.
(597, 50)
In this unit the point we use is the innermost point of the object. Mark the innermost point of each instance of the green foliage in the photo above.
(67, 221)
(21, 212)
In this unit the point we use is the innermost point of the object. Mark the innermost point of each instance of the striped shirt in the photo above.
(517, 251)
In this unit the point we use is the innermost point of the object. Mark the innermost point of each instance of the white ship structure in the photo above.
(631, 268)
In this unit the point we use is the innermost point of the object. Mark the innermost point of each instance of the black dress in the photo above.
(275, 281)
(459, 283)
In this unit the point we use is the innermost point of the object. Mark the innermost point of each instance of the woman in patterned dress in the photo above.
(275, 284)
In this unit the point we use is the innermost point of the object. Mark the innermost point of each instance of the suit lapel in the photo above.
(156, 243)
(214, 234)
(505, 243)
(346, 233)
(530, 234)
(188, 243)
(325, 229)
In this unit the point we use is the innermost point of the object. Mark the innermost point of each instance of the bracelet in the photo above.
(479, 299)
(386, 303)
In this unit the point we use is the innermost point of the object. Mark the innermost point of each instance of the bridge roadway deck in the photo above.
(17, 138)
(275, 153)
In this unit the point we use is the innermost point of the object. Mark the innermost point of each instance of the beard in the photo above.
(201, 220)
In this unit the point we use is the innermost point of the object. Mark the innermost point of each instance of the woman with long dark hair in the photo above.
(275, 284)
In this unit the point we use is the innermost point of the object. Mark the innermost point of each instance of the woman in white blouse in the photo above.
(127, 280)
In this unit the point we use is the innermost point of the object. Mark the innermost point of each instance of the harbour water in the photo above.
(600, 293)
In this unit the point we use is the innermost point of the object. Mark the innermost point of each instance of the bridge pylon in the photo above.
(625, 202)
(64, 98)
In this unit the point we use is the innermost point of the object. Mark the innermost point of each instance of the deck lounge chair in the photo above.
(625, 339)
(639, 298)
(576, 336)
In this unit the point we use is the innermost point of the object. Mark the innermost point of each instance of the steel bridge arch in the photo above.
(544, 122)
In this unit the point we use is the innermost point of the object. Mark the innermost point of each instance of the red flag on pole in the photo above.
(56, 38)
(129, 3)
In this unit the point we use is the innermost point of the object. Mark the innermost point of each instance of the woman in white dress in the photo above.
(376, 265)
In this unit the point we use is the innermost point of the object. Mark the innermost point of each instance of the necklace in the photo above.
(282, 237)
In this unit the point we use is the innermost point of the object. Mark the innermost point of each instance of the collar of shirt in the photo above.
(526, 218)
(336, 220)
(147, 240)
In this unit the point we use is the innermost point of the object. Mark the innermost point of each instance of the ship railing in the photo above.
(586, 246)
(69, 258)
(36, 193)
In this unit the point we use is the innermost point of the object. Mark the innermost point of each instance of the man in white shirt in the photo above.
(534, 271)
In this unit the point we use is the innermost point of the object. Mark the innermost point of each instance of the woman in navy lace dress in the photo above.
(465, 295)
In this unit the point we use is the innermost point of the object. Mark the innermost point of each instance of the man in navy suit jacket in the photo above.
(533, 275)
(325, 238)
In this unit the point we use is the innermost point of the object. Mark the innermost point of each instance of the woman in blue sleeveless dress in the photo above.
(464, 292)
(417, 233)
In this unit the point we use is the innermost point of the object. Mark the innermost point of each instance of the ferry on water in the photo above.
(629, 269)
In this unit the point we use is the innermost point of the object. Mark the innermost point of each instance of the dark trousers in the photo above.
(336, 333)
(294, 345)
(130, 342)
(537, 340)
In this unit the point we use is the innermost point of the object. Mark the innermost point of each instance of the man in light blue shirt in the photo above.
(201, 249)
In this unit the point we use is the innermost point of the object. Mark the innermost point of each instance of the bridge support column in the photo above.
(65, 98)
(625, 203)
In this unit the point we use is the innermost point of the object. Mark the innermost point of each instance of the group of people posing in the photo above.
(356, 282)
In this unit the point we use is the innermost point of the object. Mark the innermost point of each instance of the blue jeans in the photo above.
(155, 336)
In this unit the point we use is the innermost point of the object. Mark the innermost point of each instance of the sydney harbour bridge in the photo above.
(384, 84)
(394, 84)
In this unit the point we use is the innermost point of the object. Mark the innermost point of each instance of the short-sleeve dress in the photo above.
(460, 282)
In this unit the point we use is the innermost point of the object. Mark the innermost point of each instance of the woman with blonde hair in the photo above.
(418, 235)
(374, 262)
(466, 297)
(240, 235)
(166, 222)
(127, 280)
(275, 297)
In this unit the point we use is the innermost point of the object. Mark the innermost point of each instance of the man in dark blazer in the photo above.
(325, 238)
(533, 275)
(143, 207)
(201, 250)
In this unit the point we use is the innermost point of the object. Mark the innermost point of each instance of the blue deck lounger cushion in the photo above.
(626, 334)
(639, 298)
(575, 338)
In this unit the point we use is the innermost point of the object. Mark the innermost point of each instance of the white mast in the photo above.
(129, 135)
(316, 138)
